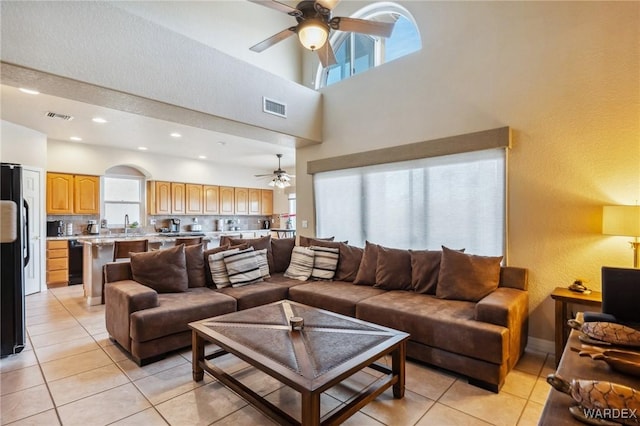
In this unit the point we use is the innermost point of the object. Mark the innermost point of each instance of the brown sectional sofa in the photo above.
(482, 340)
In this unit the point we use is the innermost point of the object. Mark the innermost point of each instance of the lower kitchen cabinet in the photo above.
(57, 262)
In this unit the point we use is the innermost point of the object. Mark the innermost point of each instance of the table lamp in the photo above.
(624, 221)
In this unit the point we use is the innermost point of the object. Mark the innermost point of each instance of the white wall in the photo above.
(563, 75)
(21, 145)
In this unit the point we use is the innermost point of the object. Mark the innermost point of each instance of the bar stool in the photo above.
(121, 249)
(191, 241)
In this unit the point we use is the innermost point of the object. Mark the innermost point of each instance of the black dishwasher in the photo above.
(75, 262)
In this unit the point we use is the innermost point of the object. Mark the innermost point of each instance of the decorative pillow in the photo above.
(349, 262)
(257, 244)
(165, 271)
(309, 241)
(195, 265)
(219, 274)
(263, 264)
(425, 267)
(325, 262)
(393, 269)
(242, 267)
(207, 268)
(281, 249)
(367, 269)
(466, 276)
(301, 264)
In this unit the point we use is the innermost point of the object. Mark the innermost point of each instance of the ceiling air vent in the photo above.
(274, 107)
(59, 116)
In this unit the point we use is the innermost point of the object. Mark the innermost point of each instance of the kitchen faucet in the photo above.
(126, 223)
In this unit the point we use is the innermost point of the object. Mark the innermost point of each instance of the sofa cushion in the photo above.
(336, 296)
(311, 241)
(301, 264)
(165, 271)
(393, 269)
(466, 276)
(176, 310)
(425, 267)
(207, 268)
(263, 264)
(445, 324)
(257, 244)
(249, 296)
(195, 265)
(367, 270)
(349, 262)
(281, 249)
(325, 262)
(242, 267)
(219, 274)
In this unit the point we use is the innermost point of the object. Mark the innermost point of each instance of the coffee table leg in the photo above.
(310, 409)
(397, 366)
(197, 349)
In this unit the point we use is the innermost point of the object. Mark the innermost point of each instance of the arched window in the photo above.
(356, 52)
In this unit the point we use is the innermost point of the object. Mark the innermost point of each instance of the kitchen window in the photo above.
(123, 195)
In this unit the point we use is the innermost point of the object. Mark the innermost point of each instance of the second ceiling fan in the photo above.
(314, 25)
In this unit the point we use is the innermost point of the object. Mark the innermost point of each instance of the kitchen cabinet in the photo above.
(242, 200)
(57, 262)
(211, 199)
(178, 198)
(193, 198)
(227, 200)
(266, 204)
(159, 197)
(255, 201)
(73, 194)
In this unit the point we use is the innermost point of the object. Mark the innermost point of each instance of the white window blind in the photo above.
(122, 196)
(456, 200)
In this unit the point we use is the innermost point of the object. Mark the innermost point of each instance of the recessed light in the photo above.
(98, 120)
(29, 91)
(202, 157)
(142, 148)
(75, 138)
(176, 135)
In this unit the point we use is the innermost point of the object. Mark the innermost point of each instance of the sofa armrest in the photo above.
(117, 271)
(509, 308)
(122, 298)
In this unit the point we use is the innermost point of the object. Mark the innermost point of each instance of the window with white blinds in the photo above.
(455, 200)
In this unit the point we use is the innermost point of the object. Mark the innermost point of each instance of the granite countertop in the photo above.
(154, 237)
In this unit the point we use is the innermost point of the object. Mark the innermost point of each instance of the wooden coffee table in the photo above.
(327, 350)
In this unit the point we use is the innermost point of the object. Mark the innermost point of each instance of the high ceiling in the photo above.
(231, 27)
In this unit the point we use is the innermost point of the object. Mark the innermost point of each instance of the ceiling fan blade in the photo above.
(382, 29)
(328, 4)
(266, 175)
(326, 55)
(276, 38)
(280, 7)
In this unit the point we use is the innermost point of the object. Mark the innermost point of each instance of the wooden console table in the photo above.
(563, 296)
(573, 366)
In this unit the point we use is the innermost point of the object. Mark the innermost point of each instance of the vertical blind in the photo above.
(455, 200)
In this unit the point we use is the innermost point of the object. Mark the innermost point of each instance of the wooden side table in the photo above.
(563, 296)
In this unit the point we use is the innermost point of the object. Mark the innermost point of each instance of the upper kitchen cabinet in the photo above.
(242, 200)
(159, 197)
(193, 197)
(73, 194)
(211, 199)
(255, 201)
(266, 204)
(227, 200)
(178, 198)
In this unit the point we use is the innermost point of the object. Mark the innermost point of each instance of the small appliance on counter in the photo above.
(266, 224)
(175, 225)
(93, 228)
(195, 226)
(219, 225)
(55, 228)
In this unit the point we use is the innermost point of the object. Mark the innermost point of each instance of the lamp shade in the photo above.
(313, 33)
(621, 220)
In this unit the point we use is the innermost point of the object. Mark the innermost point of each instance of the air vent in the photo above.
(274, 107)
(59, 116)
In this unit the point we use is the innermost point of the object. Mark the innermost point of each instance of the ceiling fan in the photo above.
(314, 24)
(280, 178)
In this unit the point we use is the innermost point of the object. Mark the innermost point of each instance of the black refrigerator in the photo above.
(14, 256)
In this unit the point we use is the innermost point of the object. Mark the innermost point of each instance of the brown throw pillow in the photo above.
(309, 241)
(205, 258)
(195, 265)
(165, 271)
(466, 276)
(257, 244)
(281, 249)
(349, 262)
(425, 267)
(393, 269)
(367, 271)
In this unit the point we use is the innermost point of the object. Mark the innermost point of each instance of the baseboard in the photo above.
(541, 345)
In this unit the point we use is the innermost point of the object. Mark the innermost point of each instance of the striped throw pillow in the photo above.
(263, 263)
(219, 273)
(242, 267)
(301, 263)
(325, 262)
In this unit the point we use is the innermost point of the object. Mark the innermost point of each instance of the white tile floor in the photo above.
(72, 374)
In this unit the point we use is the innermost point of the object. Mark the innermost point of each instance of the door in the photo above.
(32, 192)
(227, 204)
(193, 198)
(242, 200)
(86, 197)
(211, 199)
(255, 199)
(177, 198)
(59, 193)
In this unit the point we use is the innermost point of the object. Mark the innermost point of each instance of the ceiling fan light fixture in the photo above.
(313, 33)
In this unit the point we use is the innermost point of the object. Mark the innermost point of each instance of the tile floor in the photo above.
(70, 373)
